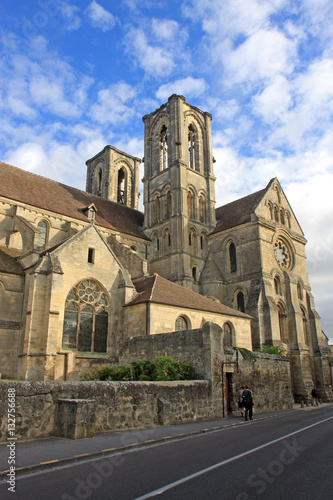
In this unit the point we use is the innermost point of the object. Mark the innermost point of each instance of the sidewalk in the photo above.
(50, 452)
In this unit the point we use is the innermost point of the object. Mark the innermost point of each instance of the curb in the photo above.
(53, 464)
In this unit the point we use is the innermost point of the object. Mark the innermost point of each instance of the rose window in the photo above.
(282, 254)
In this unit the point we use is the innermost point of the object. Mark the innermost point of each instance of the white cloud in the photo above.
(190, 87)
(114, 104)
(168, 30)
(155, 60)
(39, 81)
(274, 101)
(100, 17)
(221, 18)
(70, 15)
(264, 55)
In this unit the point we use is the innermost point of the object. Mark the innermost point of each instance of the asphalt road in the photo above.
(290, 457)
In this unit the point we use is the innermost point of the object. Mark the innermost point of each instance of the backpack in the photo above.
(247, 396)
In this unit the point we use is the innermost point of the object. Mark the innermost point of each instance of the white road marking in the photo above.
(220, 464)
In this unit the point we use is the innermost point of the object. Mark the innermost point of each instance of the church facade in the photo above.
(82, 271)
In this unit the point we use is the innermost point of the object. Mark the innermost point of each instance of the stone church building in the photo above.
(83, 271)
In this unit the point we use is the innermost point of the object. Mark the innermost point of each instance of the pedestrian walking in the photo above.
(247, 397)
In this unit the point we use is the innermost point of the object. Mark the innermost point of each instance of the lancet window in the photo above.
(163, 148)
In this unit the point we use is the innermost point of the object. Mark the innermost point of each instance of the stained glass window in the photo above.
(86, 318)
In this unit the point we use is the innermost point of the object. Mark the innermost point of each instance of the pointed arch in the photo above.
(192, 148)
(240, 302)
(86, 318)
(121, 186)
(163, 148)
(202, 208)
(228, 334)
(42, 235)
(191, 203)
(283, 323)
(232, 257)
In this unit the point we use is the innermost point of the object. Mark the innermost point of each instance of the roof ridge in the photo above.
(155, 276)
(92, 196)
(243, 197)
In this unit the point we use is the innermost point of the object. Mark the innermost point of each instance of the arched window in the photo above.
(181, 324)
(282, 324)
(202, 209)
(299, 292)
(288, 219)
(86, 318)
(227, 335)
(305, 327)
(121, 186)
(194, 273)
(42, 235)
(282, 218)
(166, 240)
(190, 205)
(278, 194)
(163, 148)
(99, 182)
(232, 258)
(156, 243)
(168, 212)
(191, 148)
(155, 209)
(240, 302)
(276, 214)
(277, 285)
(270, 207)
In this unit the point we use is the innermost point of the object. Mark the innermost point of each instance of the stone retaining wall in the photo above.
(118, 405)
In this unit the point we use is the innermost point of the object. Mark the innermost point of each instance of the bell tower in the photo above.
(179, 189)
(114, 175)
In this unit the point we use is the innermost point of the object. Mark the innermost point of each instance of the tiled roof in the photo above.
(237, 212)
(162, 291)
(46, 194)
(8, 262)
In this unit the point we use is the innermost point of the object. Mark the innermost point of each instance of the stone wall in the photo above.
(192, 346)
(118, 405)
(269, 379)
(268, 375)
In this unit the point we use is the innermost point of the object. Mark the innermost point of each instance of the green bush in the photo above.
(272, 349)
(163, 368)
(143, 370)
(168, 368)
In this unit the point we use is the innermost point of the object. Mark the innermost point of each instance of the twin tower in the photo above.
(178, 187)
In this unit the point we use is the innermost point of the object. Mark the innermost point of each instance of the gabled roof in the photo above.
(46, 194)
(156, 289)
(237, 212)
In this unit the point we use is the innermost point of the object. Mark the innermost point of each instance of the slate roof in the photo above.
(156, 289)
(8, 262)
(46, 194)
(237, 212)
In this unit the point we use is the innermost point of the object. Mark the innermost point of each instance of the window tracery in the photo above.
(283, 254)
(191, 148)
(181, 324)
(86, 318)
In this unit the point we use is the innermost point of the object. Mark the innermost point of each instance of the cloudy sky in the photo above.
(79, 74)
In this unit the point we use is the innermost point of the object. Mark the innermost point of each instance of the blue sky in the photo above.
(77, 75)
